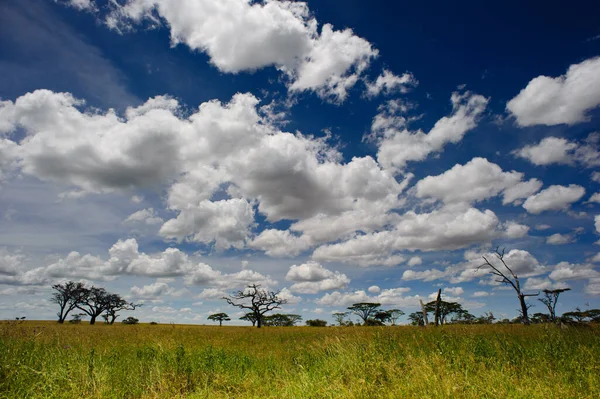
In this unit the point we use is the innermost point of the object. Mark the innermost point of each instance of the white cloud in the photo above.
(597, 223)
(387, 297)
(147, 216)
(475, 181)
(595, 198)
(560, 239)
(554, 198)
(565, 271)
(514, 194)
(374, 289)
(414, 261)
(238, 35)
(542, 283)
(554, 150)
(291, 299)
(311, 278)
(565, 99)
(151, 291)
(456, 291)
(389, 83)
(446, 228)
(515, 230)
(595, 176)
(280, 243)
(399, 146)
(480, 294)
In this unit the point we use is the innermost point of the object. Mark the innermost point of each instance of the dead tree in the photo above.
(550, 299)
(424, 311)
(437, 307)
(508, 277)
(257, 301)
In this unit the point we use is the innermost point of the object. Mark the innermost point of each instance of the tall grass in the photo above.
(47, 360)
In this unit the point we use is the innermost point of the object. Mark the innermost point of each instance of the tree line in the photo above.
(93, 302)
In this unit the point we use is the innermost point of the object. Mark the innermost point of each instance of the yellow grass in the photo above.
(47, 360)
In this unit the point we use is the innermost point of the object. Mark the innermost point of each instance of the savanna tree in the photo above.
(94, 302)
(395, 315)
(444, 309)
(339, 317)
(220, 317)
(115, 303)
(257, 301)
(365, 310)
(550, 299)
(67, 297)
(509, 277)
(249, 317)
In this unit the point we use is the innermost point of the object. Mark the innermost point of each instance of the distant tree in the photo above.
(67, 297)
(508, 276)
(249, 317)
(339, 317)
(130, 320)
(93, 302)
(550, 299)
(538, 318)
(445, 309)
(395, 315)
(365, 310)
(281, 320)
(76, 319)
(220, 317)
(382, 316)
(316, 323)
(486, 318)
(463, 317)
(115, 303)
(416, 319)
(257, 300)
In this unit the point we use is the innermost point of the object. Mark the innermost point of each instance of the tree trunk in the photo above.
(220, 323)
(112, 319)
(258, 322)
(93, 319)
(437, 307)
(425, 321)
(525, 317)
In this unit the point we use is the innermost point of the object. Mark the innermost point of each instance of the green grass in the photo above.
(47, 360)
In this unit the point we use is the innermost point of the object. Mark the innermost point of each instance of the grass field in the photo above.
(47, 360)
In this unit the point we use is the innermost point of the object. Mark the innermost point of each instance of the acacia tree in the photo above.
(339, 317)
(550, 299)
(444, 309)
(508, 277)
(220, 317)
(395, 315)
(257, 301)
(365, 310)
(67, 297)
(115, 303)
(416, 319)
(282, 320)
(94, 302)
(249, 317)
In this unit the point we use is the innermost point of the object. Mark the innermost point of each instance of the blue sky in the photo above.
(173, 151)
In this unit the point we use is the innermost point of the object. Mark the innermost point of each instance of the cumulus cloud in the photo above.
(238, 35)
(414, 261)
(562, 100)
(397, 146)
(515, 230)
(389, 83)
(554, 150)
(154, 290)
(311, 278)
(446, 228)
(374, 289)
(516, 193)
(565, 271)
(475, 181)
(147, 216)
(560, 239)
(387, 297)
(554, 198)
(230, 150)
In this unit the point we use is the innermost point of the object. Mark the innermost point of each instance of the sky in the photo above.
(174, 151)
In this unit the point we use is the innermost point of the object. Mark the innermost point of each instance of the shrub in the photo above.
(130, 320)
(316, 323)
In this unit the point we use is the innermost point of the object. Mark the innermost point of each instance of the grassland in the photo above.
(47, 360)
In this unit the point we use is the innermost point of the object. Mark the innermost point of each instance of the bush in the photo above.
(153, 323)
(130, 320)
(316, 323)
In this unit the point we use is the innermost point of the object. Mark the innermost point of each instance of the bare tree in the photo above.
(257, 300)
(508, 277)
(67, 297)
(550, 299)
